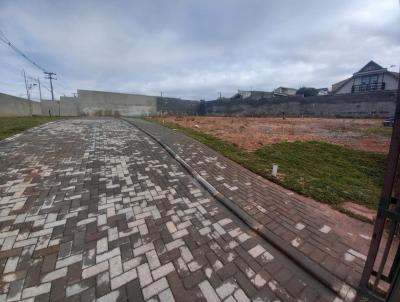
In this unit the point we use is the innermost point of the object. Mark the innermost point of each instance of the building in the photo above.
(322, 91)
(284, 91)
(255, 95)
(372, 77)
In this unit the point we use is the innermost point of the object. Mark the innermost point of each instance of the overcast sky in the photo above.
(195, 49)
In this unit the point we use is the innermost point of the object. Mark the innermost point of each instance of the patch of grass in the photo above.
(13, 125)
(385, 132)
(329, 173)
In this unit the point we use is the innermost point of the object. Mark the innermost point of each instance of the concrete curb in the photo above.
(339, 287)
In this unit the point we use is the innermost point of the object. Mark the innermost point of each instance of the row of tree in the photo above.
(307, 91)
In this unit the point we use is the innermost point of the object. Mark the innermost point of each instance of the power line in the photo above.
(49, 74)
(5, 40)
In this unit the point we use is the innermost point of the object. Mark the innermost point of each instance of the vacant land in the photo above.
(252, 133)
(13, 125)
(321, 161)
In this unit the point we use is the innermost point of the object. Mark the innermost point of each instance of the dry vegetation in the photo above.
(252, 133)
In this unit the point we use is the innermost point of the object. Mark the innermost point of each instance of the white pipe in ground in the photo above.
(274, 170)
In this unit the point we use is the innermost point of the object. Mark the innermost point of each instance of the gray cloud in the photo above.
(195, 49)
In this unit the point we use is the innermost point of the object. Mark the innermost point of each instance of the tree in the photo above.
(307, 91)
(202, 108)
(236, 96)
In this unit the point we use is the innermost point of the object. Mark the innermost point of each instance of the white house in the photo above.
(255, 95)
(284, 91)
(372, 77)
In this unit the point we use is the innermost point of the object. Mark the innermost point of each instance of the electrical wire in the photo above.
(5, 40)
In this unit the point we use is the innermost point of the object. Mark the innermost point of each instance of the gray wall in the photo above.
(377, 104)
(122, 104)
(69, 106)
(177, 106)
(49, 106)
(15, 106)
(36, 108)
(100, 103)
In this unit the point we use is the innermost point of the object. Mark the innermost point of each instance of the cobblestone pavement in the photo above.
(93, 209)
(302, 222)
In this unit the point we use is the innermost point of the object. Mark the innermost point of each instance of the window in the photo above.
(369, 79)
(374, 79)
(365, 80)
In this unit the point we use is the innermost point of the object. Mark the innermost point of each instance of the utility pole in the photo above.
(28, 97)
(40, 89)
(50, 77)
(37, 80)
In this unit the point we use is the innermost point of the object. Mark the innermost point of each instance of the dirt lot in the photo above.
(252, 133)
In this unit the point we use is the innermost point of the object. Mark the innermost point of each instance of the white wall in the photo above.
(15, 106)
(100, 103)
(69, 106)
(50, 108)
(391, 82)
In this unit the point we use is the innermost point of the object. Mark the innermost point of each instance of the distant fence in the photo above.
(376, 104)
(100, 103)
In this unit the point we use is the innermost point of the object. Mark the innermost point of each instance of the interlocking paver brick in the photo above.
(123, 279)
(208, 292)
(281, 211)
(96, 209)
(155, 288)
(62, 272)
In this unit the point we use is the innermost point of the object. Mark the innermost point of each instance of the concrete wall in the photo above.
(377, 104)
(177, 106)
(98, 103)
(121, 104)
(36, 108)
(15, 106)
(69, 106)
(50, 107)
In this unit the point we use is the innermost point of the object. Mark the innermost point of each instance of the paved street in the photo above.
(94, 209)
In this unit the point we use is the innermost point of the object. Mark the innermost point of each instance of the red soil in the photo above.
(252, 133)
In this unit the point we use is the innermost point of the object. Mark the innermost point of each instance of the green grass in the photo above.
(329, 173)
(385, 132)
(13, 125)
